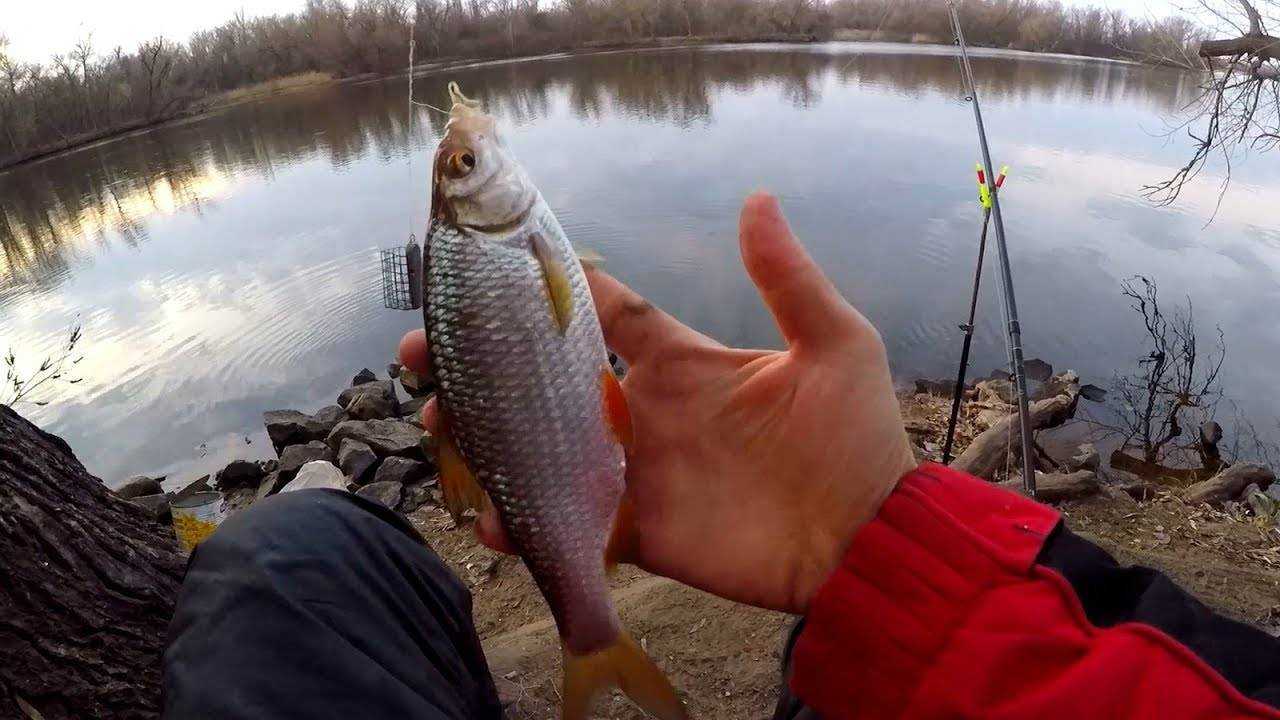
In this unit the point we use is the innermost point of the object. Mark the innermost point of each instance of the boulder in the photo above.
(386, 493)
(239, 499)
(386, 388)
(327, 417)
(997, 390)
(1086, 457)
(364, 376)
(402, 470)
(294, 457)
(373, 406)
(1273, 492)
(415, 496)
(1228, 485)
(156, 505)
(393, 369)
(240, 473)
(201, 485)
(411, 410)
(290, 427)
(270, 485)
(355, 458)
(384, 437)
(138, 486)
(940, 388)
(316, 474)
(414, 384)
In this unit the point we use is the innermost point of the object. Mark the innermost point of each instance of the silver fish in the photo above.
(531, 411)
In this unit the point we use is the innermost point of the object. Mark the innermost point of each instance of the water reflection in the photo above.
(224, 266)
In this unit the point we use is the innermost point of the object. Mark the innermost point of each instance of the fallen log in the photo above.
(1060, 487)
(87, 586)
(987, 453)
(1228, 484)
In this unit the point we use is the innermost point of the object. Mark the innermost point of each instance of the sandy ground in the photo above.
(724, 658)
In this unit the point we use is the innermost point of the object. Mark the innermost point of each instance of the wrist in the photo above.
(830, 542)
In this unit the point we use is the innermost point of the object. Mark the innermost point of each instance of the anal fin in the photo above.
(457, 482)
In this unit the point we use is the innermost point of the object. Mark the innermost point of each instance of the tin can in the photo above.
(196, 517)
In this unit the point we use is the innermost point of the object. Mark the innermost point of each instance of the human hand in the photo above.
(752, 469)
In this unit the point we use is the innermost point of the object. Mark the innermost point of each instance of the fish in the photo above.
(533, 419)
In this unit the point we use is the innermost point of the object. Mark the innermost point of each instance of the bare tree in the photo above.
(1176, 382)
(1238, 107)
(156, 58)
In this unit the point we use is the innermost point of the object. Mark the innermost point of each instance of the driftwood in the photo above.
(987, 453)
(1228, 484)
(1060, 487)
(1156, 472)
(87, 585)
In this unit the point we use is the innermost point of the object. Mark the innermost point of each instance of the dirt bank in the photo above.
(724, 657)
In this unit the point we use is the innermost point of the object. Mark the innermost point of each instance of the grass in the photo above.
(265, 89)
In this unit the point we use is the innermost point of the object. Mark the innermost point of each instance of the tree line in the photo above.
(90, 91)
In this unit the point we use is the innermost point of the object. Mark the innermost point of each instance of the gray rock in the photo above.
(414, 384)
(393, 369)
(384, 437)
(387, 493)
(997, 390)
(290, 427)
(386, 388)
(328, 416)
(294, 457)
(156, 505)
(270, 485)
(364, 376)
(415, 496)
(238, 474)
(239, 499)
(411, 410)
(428, 446)
(201, 485)
(1086, 457)
(1273, 492)
(355, 458)
(317, 474)
(138, 486)
(402, 470)
(373, 406)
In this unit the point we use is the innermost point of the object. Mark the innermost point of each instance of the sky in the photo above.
(39, 28)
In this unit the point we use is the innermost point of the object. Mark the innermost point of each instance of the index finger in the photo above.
(632, 326)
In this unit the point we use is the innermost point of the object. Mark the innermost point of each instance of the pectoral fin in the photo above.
(616, 412)
(461, 491)
(556, 278)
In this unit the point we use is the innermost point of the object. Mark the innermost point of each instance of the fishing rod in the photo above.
(1013, 331)
(984, 197)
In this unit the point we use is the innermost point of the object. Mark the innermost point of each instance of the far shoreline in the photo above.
(304, 82)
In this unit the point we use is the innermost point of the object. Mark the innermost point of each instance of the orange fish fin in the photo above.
(559, 289)
(458, 483)
(616, 412)
(625, 666)
(621, 547)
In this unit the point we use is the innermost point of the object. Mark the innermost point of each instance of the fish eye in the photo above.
(460, 164)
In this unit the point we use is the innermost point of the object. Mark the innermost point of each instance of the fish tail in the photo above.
(625, 666)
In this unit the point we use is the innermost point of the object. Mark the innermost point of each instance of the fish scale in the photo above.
(527, 412)
(530, 409)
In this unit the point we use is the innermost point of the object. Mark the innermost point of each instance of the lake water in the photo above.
(228, 265)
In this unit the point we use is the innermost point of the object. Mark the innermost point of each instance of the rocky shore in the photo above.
(369, 442)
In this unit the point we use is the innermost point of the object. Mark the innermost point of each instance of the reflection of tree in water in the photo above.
(55, 211)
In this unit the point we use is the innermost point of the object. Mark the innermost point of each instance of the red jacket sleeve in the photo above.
(939, 610)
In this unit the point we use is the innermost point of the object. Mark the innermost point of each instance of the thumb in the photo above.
(808, 309)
